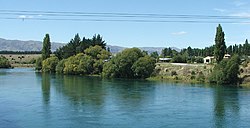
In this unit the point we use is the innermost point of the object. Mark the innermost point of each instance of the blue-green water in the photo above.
(34, 100)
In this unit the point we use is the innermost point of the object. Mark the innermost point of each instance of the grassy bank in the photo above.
(177, 72)
(21, 60)
(192, 73)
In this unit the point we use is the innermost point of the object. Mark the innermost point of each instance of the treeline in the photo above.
(186, 55)
(90, 57)
(20, 52)
(239, 49)
(78, 45)
(191, 55)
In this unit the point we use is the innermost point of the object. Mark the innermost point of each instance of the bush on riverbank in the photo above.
(226, 72)
(4, 63)
(49, 64)
(130, 63)
(89, 62)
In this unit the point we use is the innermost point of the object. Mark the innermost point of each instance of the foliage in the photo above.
(220, 46)
(168, 52)
(97, 52)
(49, 64)
(76, 46)
(60, 66)
(239, 49)
(154, 55)
(89, 62)
(200, 77)
(46, 50)
(143, 67)
(97, 40)
(127, 65)
(179, 59)
(78, 64)
(173, 73)
(38, 66)
(4, 62)
(226, 72)
(99, 56)
(110, 69)
(199, 59)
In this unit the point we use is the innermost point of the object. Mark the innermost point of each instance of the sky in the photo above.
(129, 33)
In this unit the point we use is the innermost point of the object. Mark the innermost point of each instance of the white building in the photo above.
(208, 59)
(211, 59)
(165, 59)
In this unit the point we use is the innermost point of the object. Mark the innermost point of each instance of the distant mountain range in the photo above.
(18, 45)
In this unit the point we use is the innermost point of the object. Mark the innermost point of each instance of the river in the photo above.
(35, 100)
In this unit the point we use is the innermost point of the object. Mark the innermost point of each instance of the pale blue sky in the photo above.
(129, 34)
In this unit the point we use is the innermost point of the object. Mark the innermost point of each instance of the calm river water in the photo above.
(35, 100)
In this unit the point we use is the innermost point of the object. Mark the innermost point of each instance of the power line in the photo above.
(117, 20)
(118, 17)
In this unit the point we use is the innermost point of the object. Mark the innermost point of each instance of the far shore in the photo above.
(184, 73)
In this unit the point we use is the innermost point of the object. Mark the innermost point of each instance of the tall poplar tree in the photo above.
(220, 46)
(46, 50)
(246, 48)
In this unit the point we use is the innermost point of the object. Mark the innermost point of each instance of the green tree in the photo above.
(76, 46)
(154, 55)
(97, 40)
(190, 51)
(60, 66)
(246, 48)
(99, 56)
(78, 64)
(39, 61)
(110, 69)
(49, 64)
(46, 50)
(97, 52)
(127, 65)
(4, 62)
(230, 50)
(220, 46)
(180, 58)
(226, 72)
(143, 67)
(232, 70)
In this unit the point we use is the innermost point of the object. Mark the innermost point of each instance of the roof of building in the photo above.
(165, 59)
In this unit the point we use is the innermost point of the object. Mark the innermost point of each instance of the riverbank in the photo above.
(184, 73)
(21, 60)
(192, 73)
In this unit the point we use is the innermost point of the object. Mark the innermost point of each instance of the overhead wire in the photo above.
(118, 17)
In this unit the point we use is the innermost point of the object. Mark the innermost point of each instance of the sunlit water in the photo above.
(34, 100)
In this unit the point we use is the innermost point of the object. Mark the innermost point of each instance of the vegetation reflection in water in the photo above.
(49, 100)
(94, 90)
(134, 96)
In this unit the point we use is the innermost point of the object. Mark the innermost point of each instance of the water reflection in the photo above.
(96, 91)
(131, 95)
(96, 101)
(81, 90)
(45, 81)
(226, 104)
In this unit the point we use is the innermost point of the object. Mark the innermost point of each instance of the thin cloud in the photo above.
(25, 17)
(219, 10)
(242, 14)
(179, 33)
(22, 17)
(239, 3)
